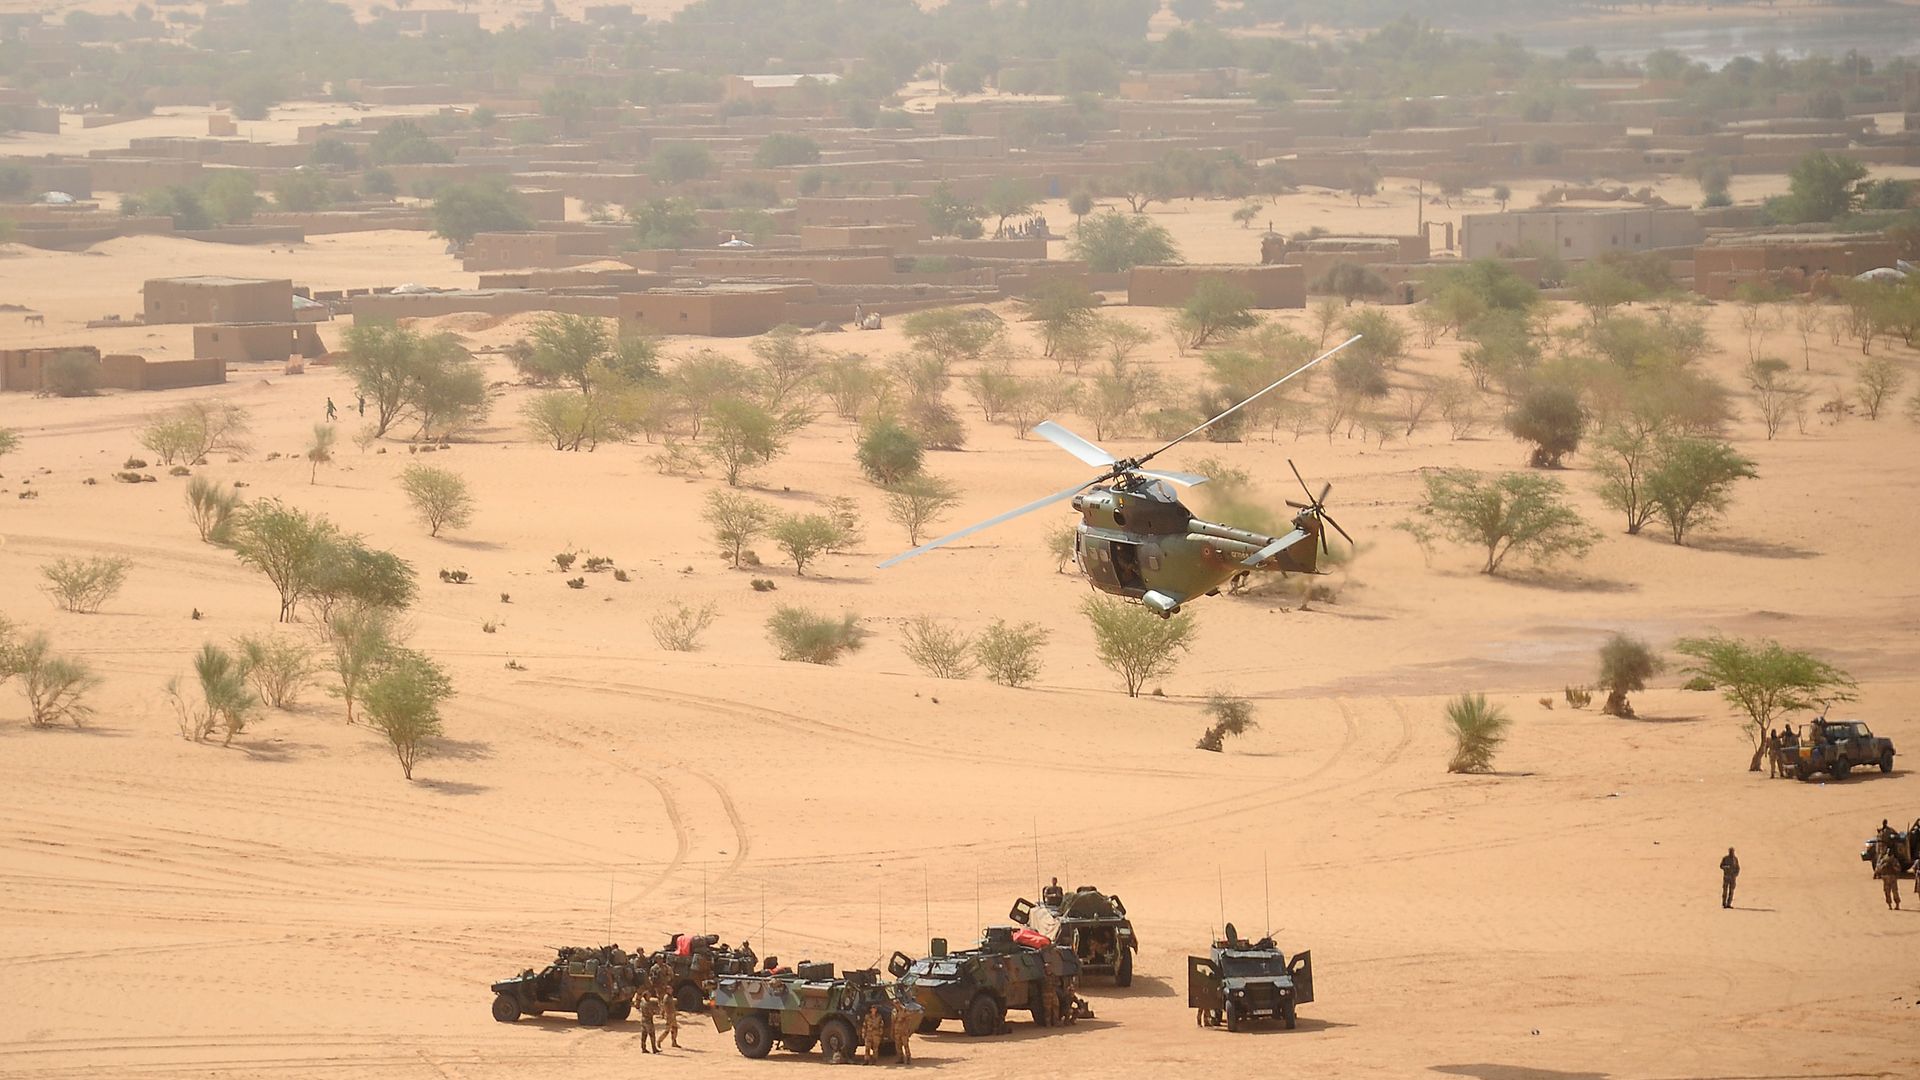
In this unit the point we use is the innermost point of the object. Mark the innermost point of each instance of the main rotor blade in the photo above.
(1325, 490)
(992, 521)
(1336, 527)
(1274, 548)
(1248, 400)
(1184, 479)
(1302, 479)
(1088, 452)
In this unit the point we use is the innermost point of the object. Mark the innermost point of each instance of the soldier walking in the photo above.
(1729, 871)
(1888, 871)
(904, 1021)
(670, 1018)
(649, 1039)
(873, 1031)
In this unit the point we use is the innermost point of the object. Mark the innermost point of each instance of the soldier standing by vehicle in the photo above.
(670, 1018)
(649, 1039)
(1888, 871)
(904, 1021)
(1050, 1005)
(873, 1031)
(1729, 871)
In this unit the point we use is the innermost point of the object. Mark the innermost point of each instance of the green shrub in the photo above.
(804, 635)
(678, 628)
(1478, 729)
(1231, 716)
(54, 685)
(1011, 654)
(937, 648)
(82, 585)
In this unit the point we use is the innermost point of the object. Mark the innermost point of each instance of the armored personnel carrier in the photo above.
(978, 986)
(693, 961)
(596, 985)
(802, 1009)
(1091, 923)
(1240, 982)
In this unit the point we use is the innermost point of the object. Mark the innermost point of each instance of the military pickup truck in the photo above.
(805, 1008)
(596, 985)
(1240, 982)
(978, 986)
(1837, 747)
(1091, 923)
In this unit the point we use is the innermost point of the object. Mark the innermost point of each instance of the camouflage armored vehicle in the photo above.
(1905, 847)
(693, 961)
(1092, 924)
(1240, 982)
(805, 1008)
(978, 986)
(596, 985)
(1837, 747)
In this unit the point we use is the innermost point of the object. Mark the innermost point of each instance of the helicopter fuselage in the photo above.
(1144, 544)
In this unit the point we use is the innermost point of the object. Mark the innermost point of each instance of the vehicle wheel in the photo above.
(592, 1012)
(505, 1009)
(621, 1011)
(837, 1040)
(983, 1015)
(799, 1044)
(1123, 975)
(1841, 769)
(1233, 1016)
(688, 998)
(929, 1025)
(751, 1036)
(1805, 774)
(1886, 761)
(1287, 1015)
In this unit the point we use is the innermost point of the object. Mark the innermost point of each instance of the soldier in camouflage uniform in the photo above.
(649, 1039)
(1050, 1005)
(1888, 871)
(670, 1018)
(873, 1031)
(660, 977)
(904, 1021)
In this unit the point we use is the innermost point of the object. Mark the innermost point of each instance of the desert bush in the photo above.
(1626, 663)
(357, 640)
(763, 585)
(82, 585)
(226, 703)
(1578, 697)
(1876, 382)
(937, 648)
(845, 513)
(918, 501)
(597, 564)
(187, 433)
(403, 703)
(1062, 543)
(1699, 684)
(10, 441)
(279, 669)
(736, 520)
(179, 470)
(134, 463)
(55, 686)
(678, 628)
(565, 561)
(1478, 729)
(1230, 715)
(742, 436)
(286, 544)
(621, 575)
(439, 497)
(1691, 481)
(1010, 654)
(805, 537)
(1217, 308)
(319, 450)
(71, 374)
(805, 635)
(1516, 512)
(347, 571)
(577, 583)
(1552, 419)
(1134, 643)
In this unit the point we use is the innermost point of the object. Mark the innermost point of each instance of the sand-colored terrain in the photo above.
(290, 907)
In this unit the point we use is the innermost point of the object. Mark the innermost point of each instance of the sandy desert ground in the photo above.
(290, 907)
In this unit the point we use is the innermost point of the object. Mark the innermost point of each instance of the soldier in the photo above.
(1053, 895)
(1729, 870)
(1773, 754)
(904, 1021)
(1050, 1005)
(670, 1017)
(649, 1039)
(660, 976)
(1888, 871)
(1072, 991)
(873, 1031)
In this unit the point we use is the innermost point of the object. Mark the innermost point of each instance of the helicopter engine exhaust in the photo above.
(1163, 605)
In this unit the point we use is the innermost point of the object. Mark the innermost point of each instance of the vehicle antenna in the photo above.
(703, 900)
(763, 914)
(976, 893)
(1036, 854)
(609, 937)
(926, 898)
(1266, 885)
(1221, 877)
(880, 914)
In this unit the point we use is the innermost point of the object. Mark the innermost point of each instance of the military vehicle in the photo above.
(693, 961)
(1091, 923)
(802, 1009)
(977, 986)
(596, 985)
(1240, 982)
(1837, 747)
(1138, 541)
(1905, 846)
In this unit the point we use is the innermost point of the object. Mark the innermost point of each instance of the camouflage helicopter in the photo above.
(1137, 540)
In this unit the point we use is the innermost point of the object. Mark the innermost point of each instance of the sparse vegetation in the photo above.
(918, 501)
(679, 627)
(402, 702)
(938, 648)
(1478, 729)
(804, 635)
(55, 686)
(277, 667)
(225, 704)
(1514, 513)
(440, 497)
(805, 537)
(1134, 643)
(737, 520)
(319, 451)
(82, 585)
(286, 544)
(1230, 716)
(357, 640)
(1626, 663)
(1010, 654)
(888, 453)
(188, 433)
(1691, 482)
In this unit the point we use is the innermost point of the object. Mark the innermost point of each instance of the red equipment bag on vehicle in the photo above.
(683, 944)
(1031, 938)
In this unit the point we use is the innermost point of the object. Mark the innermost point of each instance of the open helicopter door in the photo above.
(1203, 985)
(1022, 912)
(1301, 968)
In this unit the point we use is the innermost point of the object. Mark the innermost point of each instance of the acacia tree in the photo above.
(918, 501)
(1134, 643)
(286, 544)
(805, 537)
(1062, 307)
(742, 436)
(737, 520)
(1523, 513)
(403, 702)
(1216, 308)
(439, 496)
(358, 639)
(1691, 481)
(1764, 680)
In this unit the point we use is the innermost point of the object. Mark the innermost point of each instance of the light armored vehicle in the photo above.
(1239, 982)
(1087, 921)
(596, 985)
(693, 961)
(802, 1009)
(1837, 747)
(978, 986)
(1904, 845)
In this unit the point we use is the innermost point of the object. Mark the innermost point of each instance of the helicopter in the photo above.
(1138, 541)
